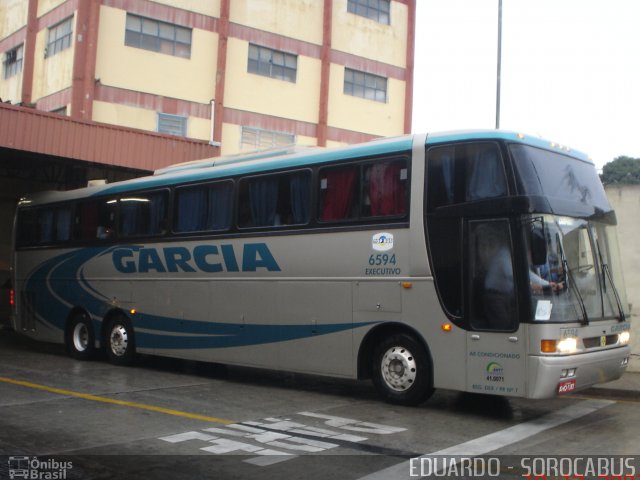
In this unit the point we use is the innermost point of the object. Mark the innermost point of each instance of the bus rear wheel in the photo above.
(120, 341)
(79, 337)
(401, 370)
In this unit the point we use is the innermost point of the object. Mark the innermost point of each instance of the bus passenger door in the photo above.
(495, 347)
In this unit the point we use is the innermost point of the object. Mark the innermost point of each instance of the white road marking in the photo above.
(354, 425)
(500, 439)
(248, 434)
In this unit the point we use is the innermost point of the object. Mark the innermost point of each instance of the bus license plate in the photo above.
(566, 386)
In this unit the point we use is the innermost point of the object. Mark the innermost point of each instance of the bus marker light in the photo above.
(407, 285)
(446, 327)
(12, 297)
(548, 346)
(133, 311)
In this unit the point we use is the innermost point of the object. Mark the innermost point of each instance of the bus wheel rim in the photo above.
(118, 340)
(399, 369)
(81, 337)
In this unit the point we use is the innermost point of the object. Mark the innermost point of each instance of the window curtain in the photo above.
(87, 221)
(191, 209)
(263, 195)
(157, 214)
(300, 198)
(46, 226)
(63, 223)
(485, 174)
(219, 213)
(338, 196)
(129, 218)
(386, 190)
(448, 174)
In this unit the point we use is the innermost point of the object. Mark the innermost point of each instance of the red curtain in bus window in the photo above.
(87, 221)
(387, 189)
(338, 186)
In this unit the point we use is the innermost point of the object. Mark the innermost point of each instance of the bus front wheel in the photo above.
(79, 337)
(120, 341)
(401, 370)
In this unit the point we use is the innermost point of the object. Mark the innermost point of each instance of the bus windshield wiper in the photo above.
(606, 274)
(572, 284)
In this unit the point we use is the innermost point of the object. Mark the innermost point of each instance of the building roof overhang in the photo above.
(30, 130)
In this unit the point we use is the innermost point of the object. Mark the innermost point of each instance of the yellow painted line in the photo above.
(112, 401)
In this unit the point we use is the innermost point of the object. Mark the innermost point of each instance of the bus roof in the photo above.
(283, 158)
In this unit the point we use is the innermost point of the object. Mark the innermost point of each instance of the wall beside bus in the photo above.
(360, 36)
(133, 69)
(283, 17)
(14, 15)
(625, 199)
(53, 73)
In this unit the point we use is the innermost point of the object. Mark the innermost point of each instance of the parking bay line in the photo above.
(500, 439)
(112, 401)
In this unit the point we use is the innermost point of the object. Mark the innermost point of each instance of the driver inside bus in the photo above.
(540, 276)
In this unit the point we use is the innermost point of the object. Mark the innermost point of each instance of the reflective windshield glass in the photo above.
(565, 285)
(615, 298)
(558, 177)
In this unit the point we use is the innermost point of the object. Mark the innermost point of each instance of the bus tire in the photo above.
(120, 342)
(80, 338)
(401, 370)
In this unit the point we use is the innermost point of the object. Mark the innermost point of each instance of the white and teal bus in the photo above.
(473, 261)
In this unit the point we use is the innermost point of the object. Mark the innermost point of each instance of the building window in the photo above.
(272, 63)
(377, 10)
(365, 85)
(60, 111)
(256, 138)
(172, 124)
(59, 37)
(157, 36)
(13, 61)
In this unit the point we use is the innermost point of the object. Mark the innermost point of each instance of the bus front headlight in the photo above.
(567, 345)
(624, 337)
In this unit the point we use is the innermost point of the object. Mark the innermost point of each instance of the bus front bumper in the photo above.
(550, 376)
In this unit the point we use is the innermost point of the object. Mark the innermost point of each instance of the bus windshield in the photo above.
(568, 184)
(580, 279)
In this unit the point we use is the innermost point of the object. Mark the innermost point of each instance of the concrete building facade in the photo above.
(244, 74)
(625, 199)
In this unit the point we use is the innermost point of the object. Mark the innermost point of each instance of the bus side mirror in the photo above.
(538, 246)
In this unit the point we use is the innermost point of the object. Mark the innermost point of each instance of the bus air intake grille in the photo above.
(596, 342)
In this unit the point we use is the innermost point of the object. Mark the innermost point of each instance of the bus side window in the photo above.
(143, 214)
(491, 279)
(27, 224)
(95, 220)
(485, 174)
(387, 188)
(337, 192)
(275, 200)
(203, 207)
(45, 225)
(464, 173)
